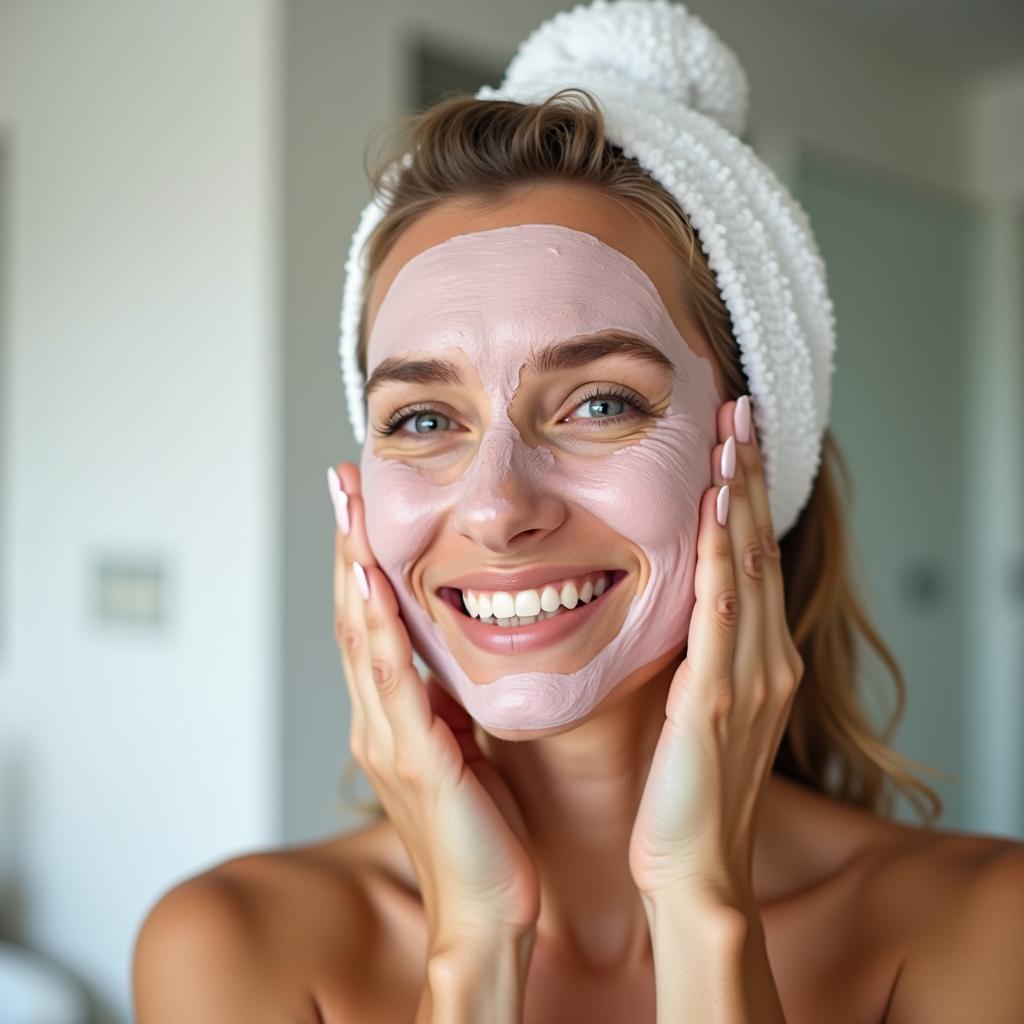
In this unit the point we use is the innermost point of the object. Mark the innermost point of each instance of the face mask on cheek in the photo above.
(495, 295)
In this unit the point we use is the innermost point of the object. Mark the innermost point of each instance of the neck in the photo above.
(579, 792)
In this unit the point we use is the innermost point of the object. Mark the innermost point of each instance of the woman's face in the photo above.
(541, 413)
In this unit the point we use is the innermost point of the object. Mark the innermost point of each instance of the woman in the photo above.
(637, 783)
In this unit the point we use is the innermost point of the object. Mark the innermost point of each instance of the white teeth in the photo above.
(525, 606)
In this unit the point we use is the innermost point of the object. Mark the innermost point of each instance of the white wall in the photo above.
(995, 717)
(140, 414)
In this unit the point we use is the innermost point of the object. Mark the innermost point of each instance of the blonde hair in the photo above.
(482, 150)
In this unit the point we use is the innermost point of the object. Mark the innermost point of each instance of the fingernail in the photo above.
(722, 505)
(361, 581)
(729, 457)
(338, 498)
(741, 418)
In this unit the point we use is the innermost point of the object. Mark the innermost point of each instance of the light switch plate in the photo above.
(130, 589)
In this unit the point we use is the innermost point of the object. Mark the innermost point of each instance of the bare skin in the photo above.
(342, 922)
(844, 895)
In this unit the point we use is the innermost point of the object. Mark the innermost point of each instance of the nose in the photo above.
(507, 497)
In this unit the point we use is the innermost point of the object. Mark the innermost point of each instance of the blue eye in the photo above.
(597, 408)
(424, 419)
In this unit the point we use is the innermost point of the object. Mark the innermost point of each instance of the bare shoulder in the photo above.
(255, 937)
(960, 901)
(921, 875)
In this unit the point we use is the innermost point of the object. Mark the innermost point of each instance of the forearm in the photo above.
(711, 964)
(473, 981)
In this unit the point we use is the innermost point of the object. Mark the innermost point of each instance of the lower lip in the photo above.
(537, 635)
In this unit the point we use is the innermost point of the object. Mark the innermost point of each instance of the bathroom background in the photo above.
(178, 186)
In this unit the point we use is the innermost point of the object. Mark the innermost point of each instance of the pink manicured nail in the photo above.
(741, 417)
(338, 498)
(361, 581)
(729, 457)
(722, 505)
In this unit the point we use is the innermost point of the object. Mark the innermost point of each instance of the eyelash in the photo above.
(642, 407)
(638, 402)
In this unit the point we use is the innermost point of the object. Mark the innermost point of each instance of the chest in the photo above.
(828, 964)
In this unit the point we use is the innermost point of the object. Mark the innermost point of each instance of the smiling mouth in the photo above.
(509, 609)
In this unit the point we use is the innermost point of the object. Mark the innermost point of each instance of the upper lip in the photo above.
(522, 579)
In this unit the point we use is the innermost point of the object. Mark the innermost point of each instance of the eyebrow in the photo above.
(412, 371)
(579, 351)
(563, 355)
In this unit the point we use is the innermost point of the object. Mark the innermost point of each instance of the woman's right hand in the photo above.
(452, 809)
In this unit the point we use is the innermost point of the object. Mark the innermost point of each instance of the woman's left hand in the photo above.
(729, 700)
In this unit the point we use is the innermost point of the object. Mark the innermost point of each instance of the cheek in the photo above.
(650, 492)
(402, 512)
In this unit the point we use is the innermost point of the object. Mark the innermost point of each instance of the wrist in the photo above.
(479, 977)
(695, 916)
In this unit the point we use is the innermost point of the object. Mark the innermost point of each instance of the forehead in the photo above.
(582, 207)
(573, 205)
(505, 289)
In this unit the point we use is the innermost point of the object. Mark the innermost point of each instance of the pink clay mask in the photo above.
(495, 295)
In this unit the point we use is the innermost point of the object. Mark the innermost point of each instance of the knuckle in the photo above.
(721, 704)
(799, 667)
(752, 468)
(376, 764)
(726, 609)
(721, 547)
(759, 691)
(753, 560)
(768, 542)
(384, 677)
(374, 622)
(350, 638)
(737, 488)
(406, 769)
(787, 680)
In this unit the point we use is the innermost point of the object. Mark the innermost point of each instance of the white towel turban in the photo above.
(674, 98)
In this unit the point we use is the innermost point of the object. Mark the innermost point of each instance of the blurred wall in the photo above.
(140, 420)
(899, 261)
(994, 716)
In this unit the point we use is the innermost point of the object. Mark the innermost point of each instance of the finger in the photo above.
(351, 478)
(342, 635)
(378, 736)
(748, 568)
(372, 729)
(710, 647)
(344, 639)
(778, 638)
(461, 723)
(398, 685)
(357, 544)
(339, 498)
